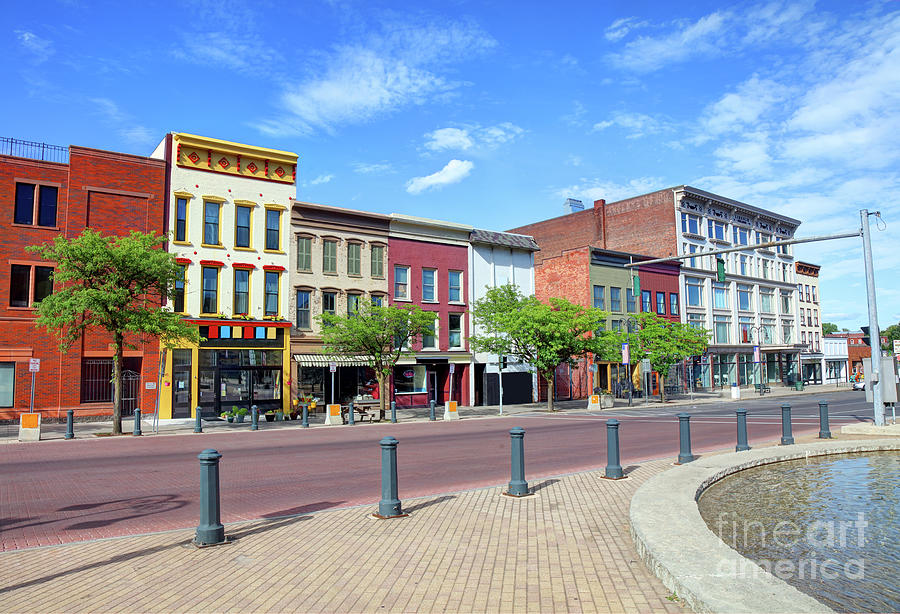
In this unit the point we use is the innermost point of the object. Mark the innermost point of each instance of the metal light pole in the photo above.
(874, 332)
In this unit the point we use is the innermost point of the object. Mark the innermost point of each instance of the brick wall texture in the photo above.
(112, 192)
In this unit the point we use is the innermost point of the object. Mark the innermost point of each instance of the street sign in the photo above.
(626, 354)
(34, 365)
(332, 366)
(452, 368)
(646, 367)
(150, 385)
(896, 346)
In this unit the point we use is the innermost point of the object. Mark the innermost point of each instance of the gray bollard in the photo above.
(431, 406)
(350, 419)
(70, 424)
(389, 506)
(518, 487)
(741, 431)
(137, 422)
(786, 437)
(684, 439)
(824, 430)
(393, 412)
(198, 425)
(613, 465)
(210, 531)
(254, 418)
(305, 408)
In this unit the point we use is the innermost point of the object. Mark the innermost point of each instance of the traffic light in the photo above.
(502, 362)
(636, 284)
(720, 270)
(866, 340)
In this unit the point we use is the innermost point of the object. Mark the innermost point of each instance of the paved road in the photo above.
(57, 492)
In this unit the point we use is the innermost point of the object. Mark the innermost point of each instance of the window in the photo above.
(455, 325)
(377, 300)
(353, 258)
(96, 378)
(303, 309)
(661, 303)
(808, 300)
(695, 320)
(722, 327)
(767, 300)
(353, 304)
(743, 292)
(783, 249)
(242, 226)
(814, 298)
(741, 235)
(329, 256)
(745, 327)
(273, 229)
(178, 298)
(429, 277)
(329, 301)
(673, 303)
(803, 336)
(615, 324)
(720, 295)
(694, 287)
(378, 261)
(743, 264)
(816, 312)
(429, 339)
(786, 302)
(7, 384)
(802, 316)
(817, 342)
(271, 293)
(787, 331)
(454, 292)
(599, 297)
(27, 210)
(615, 299)
(181, 220)
(410, 379)
(766, 269)
(630, 301)
(211, 223)
(690, 248)
(762, 237)
(646, 305)
(29, 284)
(716, 229)
(241, 292)
(690, 223)
(401, 282)
(768, 331)
(304, 254)
(210, 276)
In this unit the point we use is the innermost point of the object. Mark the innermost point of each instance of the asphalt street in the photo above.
(64, 491)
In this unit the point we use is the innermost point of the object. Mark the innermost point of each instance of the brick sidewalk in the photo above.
(566, 549)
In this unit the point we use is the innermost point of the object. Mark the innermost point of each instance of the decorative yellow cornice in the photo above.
(182, 194)
(245, 203)
(214, 199)
(275, 206)
(218, 156)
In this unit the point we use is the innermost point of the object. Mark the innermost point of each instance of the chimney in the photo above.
(599, 203)
(574, 205)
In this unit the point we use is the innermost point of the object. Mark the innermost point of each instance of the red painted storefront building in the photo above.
(46, 192)
(428, 267)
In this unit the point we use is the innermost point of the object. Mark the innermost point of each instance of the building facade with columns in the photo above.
(812, 357)
(228, 214)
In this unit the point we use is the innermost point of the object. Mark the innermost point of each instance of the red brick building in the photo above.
(856, 351)
(42, 199)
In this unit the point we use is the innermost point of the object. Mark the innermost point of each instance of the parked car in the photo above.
(860, 385)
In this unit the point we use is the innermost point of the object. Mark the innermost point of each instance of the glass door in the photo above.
(181, 384)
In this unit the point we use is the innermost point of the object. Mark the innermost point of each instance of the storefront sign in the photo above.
(409, 373)
(626, 354)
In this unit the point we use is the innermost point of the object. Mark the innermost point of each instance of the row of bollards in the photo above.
(211, 531)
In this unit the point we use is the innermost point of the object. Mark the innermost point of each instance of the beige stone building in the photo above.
(810, 322)
(340, 258)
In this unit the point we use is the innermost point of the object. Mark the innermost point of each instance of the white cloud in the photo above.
(741, 108)
(621, 27)
(377, 168)
(124, 124)
(321, 179)
(750, 155)
(40, 48)
(454, 172)
(400, 68)
(646, 54)
(636, 124)
(472, 137)
(590, 190)
(241, 52)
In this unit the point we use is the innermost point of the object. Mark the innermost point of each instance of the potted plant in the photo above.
(239, 414)
(228, 415)
(279, 416)
(270, 416)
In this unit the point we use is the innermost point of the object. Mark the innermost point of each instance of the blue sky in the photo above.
(492, 113)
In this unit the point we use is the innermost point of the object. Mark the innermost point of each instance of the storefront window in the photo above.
(410, 379)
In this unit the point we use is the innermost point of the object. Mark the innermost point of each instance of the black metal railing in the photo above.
(33, 150)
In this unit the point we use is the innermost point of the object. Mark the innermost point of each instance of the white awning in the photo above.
(323, 360)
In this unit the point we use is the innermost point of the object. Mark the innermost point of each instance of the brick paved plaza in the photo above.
(566, 549)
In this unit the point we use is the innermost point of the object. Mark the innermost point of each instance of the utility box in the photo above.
(888, 378)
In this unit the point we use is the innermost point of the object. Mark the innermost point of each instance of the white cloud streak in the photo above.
(40, 48)
(454, 172)
(472, 137)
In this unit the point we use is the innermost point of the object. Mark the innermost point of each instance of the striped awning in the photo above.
(323, 360)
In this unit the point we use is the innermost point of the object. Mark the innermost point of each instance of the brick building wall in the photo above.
(641, 225)
(565, 276)
(113, 192)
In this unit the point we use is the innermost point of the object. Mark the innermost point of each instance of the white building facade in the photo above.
(754, 306)
(810, 323)
(229, 224)
(497, 259)
(835, 360)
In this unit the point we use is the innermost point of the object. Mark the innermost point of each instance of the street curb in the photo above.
(677, 546)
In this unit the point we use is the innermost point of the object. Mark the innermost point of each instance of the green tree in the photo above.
(543, 335)
(892, 332)
(116, 284)
(663, 342)
(829, 328)
(383, 334)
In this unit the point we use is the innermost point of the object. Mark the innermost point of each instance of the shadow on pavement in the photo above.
(543, 484)
(303, 509)
(423, 505)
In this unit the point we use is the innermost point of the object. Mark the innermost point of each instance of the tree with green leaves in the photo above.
(829, 328)
(891, 333)
(663, 342)
(115, 284)
(383, 334)
(544, 335)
